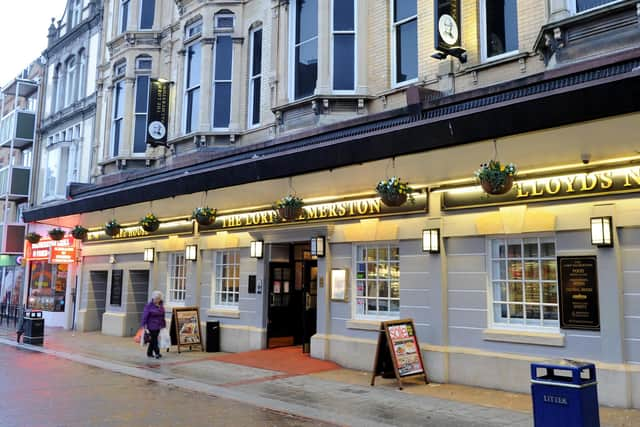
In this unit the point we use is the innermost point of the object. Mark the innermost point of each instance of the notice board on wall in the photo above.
(398, 352)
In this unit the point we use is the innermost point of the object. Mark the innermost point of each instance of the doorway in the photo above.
(96, 301)
(138, 296)
(292, 301)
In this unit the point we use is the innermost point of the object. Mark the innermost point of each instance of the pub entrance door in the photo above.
(292, 299)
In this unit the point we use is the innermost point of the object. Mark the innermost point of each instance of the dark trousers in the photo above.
(153, 344)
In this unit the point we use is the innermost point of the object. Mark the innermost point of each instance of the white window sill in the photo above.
(550, 339)
(222, 312)
(364, 325)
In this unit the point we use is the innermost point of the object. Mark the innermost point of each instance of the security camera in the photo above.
(586, 158)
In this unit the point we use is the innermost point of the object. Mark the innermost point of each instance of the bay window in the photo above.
(405, 41)
(222, 82)
(304, 46)
(124, 16)
(141, 107)
(255, 76)
(147, 12)
(344, 45)
(377, 277)
(499, 28)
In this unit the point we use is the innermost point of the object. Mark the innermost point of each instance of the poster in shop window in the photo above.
(185, 328)
(578, 293)
(398, 350)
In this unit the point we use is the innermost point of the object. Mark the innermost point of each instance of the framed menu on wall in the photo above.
(578, 292)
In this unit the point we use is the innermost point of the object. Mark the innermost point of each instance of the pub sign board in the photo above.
(447, 25)
(158, 118)
(578, 293)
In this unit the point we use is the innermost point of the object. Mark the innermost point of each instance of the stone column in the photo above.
(238, 85)
(178, 93)
(206, 83)
(282, 70)
(323, 84)
(559, 9)
(362, 44)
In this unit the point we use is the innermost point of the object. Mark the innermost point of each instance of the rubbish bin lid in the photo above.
(564, 371)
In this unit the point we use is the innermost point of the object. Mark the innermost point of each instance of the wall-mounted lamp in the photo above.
(257, 248)
(191, 252)
(318, 246)
(149, 254)
(601, 232)
(112, 259)
(431, 241)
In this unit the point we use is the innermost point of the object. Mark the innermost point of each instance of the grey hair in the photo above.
(157, 294)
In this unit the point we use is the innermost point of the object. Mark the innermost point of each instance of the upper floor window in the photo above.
(76, 12)
(255, 76)
(222, 82)
(147, 13)
(524, 284)
(405, 41)
(143, 63)
(193, 30)
(71, 78)
(377, 281)
(61, 162)
(82, 74)
(27, 157)
(344, 45)
(120, 69)
(224, 21)
(118, 118)
(192, 88)
(124, 16)
(59, 80)
(584, 5)
(141, 110)
(304, 47)
(499, 28)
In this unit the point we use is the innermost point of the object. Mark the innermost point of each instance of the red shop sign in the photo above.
(62, 255)
(41, 251)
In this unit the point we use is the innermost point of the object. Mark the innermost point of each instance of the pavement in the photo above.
(286, 381)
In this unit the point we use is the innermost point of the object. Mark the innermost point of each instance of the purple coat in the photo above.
(153, 317)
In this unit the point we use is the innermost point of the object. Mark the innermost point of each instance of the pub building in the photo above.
(547, 270)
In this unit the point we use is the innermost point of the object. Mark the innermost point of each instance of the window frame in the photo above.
(114, 147)
(215, 80)
(253, 77)
(193, 31)
(81, 85)
(491, 301)
(140, 12)
(190, 89)
(354, 279)
(123, 16)
(224, 15)
(60, 143)
(136, 113)
(293, 9)
(484, 58)
(216, 281)
(172, 264)
(573, 7)
(354, 32)
(71, 77)
(394, 50)
(76, 13)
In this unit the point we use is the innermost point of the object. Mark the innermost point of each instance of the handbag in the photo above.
(164, 339)
(147, 337)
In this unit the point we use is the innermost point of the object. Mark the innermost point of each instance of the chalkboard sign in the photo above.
(116, 288)
(185, 328)
(398, 353)
(578, 289)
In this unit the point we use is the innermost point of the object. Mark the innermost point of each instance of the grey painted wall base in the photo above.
(114, 324)
(235, 339)
(87, 321)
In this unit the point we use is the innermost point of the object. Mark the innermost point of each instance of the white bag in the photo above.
(164, 339)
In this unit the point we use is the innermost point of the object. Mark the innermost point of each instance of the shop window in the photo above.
(11, 285)
(124, 16)
(255, 76)
(227, 279)
(405, 41)
(177, 277)
(304, 47)
(499, 28)
(344, 45)
(47, 286)
(584, 5)
(118, 118)
(147, 12)
(222, 82)
(141, 106)
(377, 281)
(192, 91)
(524, 283)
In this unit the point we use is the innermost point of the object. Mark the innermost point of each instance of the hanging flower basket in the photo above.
(79, 232)
(56, 233)
(204, 215)
(289, 208)
(33, 238)
(495, 178)
(393, 192)
(149, 223)
(112, 228)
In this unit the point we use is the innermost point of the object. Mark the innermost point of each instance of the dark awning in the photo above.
(586, 91)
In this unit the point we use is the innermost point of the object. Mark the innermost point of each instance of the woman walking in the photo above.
(153, 321)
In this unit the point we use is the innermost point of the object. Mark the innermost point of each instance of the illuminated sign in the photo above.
(137, 232)
(597, 183)
(62, 255)
(42, 250)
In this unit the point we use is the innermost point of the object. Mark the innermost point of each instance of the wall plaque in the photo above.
(116, 288)
(578, 293)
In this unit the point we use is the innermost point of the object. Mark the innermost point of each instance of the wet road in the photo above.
(37, 390)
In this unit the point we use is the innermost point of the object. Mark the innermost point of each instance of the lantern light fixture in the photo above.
(149, 254)
(602, 232)
(191, 253)
(318, 244)
(257, 249)
(431, 240)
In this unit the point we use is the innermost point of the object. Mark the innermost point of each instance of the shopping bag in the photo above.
(138, 337)
(164, 339)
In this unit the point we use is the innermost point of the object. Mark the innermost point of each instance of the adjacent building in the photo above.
(235, 104)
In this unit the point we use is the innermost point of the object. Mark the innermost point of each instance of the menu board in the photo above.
(578, 288)
(185, 326)
(398, 349)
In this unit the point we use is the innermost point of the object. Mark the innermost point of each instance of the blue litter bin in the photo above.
(565, 394)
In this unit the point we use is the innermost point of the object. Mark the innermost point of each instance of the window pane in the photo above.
(223, 58)
(222, 106)
(583, 5)
(256, 67)
(532, 293)
(499, 270)
(500, 313)
(404, 9)
(502, 26)
(498, 249)
(124, 15)
(395, 289)
(142, 94)
(549, 270)
(147, 12)
(550, 313)
(306, 69)
(533, 312)
(407, 51)
(515, 270)
(548, 249)
(116, 137)
(500, 291)
(516, 311)
(549, 293)
(343, 61)
(255, 108)
(343, 15)
(531, 270)
(140, 134)
(224, 21)
(515, 291)
(306, 20)
(193, 102)
(531, 248)
(193, 68)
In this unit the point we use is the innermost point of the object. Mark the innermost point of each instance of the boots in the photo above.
(18, 336)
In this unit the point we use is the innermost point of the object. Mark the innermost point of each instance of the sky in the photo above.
(23, 33)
